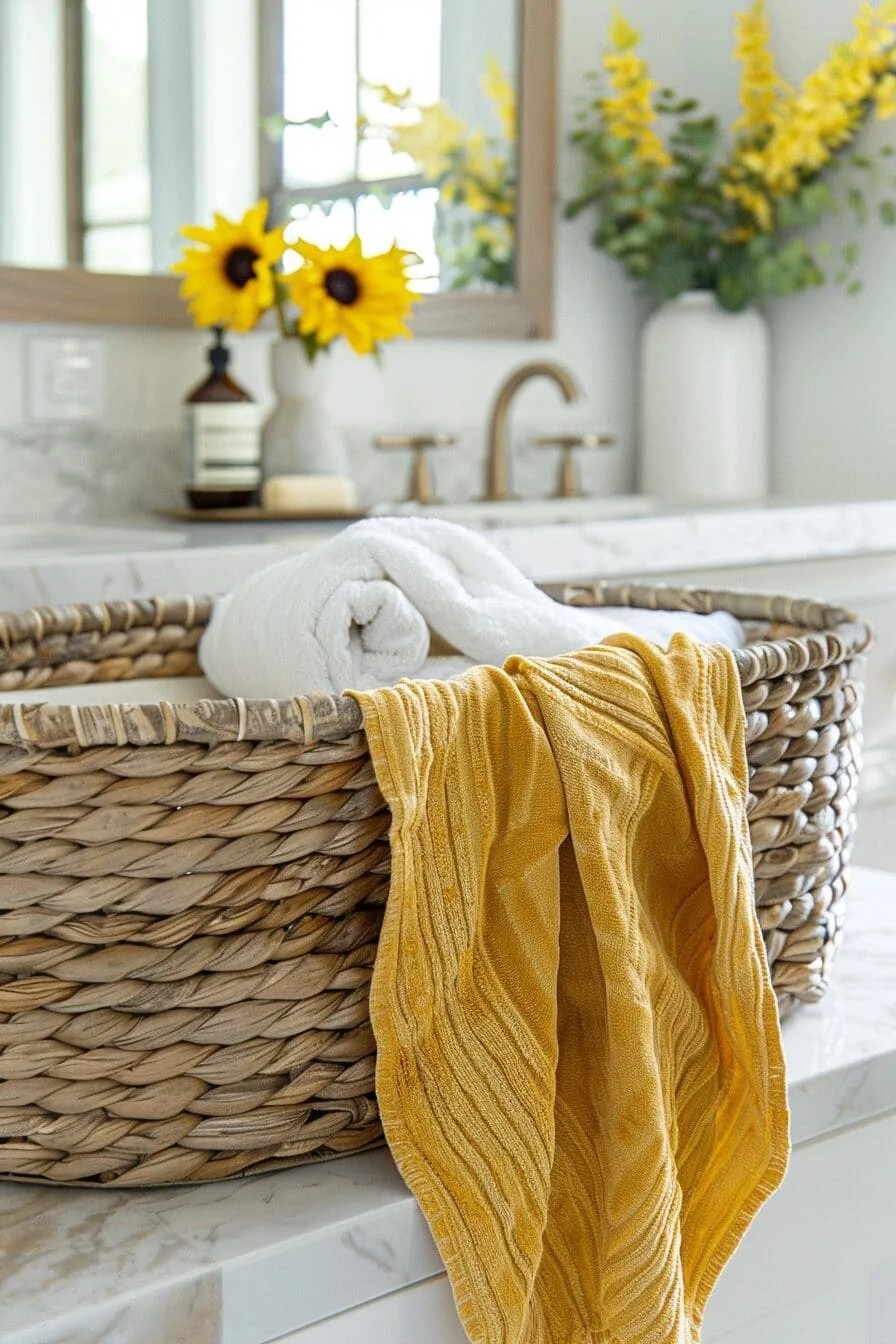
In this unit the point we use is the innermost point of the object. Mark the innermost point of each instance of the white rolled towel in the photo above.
(362, 610)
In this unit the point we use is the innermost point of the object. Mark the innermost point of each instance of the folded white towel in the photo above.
(360, 612)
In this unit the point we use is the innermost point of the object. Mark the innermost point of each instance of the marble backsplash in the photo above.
(89, 471)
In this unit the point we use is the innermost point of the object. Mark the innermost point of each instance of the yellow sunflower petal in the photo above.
(214, 296)
(198, 234)
(256, 217)
(378, 310)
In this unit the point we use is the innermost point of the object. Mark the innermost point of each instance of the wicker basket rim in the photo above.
(833, 635)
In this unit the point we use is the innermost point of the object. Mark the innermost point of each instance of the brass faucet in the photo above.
(497, 482)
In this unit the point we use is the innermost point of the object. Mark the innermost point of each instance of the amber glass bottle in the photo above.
(223, 433)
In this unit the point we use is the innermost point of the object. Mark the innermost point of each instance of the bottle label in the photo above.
(224, 445)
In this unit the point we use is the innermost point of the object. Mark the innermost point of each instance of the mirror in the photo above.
(401, 120)
(398, 121)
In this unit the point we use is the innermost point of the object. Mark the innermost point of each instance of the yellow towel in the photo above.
(580, 1071)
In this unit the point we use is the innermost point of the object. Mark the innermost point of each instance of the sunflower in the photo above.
(229, 278)
(340, 292)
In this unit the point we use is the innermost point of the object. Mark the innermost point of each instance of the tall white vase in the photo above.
(299, 436)
(704, 401)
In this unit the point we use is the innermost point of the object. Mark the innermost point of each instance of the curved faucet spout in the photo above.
(497, 483)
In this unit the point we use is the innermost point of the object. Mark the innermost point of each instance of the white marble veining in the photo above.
(88, 470)
(710, 538)
(841, 1054)
(182, 1313)
(246, 1262)
(210, 557)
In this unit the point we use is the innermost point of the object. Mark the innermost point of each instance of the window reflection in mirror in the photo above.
(399, 122)
(395, 118)
(116, 223)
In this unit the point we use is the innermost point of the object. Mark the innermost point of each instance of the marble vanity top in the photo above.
(211, 557)
(247, 1262)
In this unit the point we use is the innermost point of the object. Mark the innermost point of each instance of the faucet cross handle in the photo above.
(420, 488)
(568, 486)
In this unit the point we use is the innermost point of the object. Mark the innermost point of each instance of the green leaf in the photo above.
(817, 199)
(736, 281)
(670, 105)
(857, 204)
(887, 212)
(854, 287)
(638, 264)
(575, 207)
(636, 238)
(698, 135)
(673, 272)
(851, 253)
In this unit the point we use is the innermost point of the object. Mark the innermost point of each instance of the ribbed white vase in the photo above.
(299, 436)
(704, 401)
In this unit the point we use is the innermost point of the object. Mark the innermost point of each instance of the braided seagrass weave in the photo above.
(190, 896)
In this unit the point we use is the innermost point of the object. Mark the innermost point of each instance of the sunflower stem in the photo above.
(281, 310)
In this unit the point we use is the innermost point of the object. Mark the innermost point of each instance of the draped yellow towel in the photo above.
(579, 1070)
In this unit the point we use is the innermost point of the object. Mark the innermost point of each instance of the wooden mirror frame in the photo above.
(72, 295)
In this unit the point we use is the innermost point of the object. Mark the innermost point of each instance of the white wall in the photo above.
(835, 399)
(835, 406)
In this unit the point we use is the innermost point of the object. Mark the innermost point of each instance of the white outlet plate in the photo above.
(65, 378)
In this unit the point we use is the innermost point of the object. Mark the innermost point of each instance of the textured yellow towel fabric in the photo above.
(579, 1071)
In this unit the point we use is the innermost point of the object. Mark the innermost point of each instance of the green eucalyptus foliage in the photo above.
(673, 229)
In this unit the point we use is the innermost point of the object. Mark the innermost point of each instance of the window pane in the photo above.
(319, 76)
(325, 226)
(116, 128)
(409, 220)
(126, 247)
(400, 47)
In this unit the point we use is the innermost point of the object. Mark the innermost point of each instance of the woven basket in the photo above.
(190, 896)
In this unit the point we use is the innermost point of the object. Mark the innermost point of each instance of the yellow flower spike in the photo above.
(753, 201)
(229, 277)
(432, 139)
(761, 87)
(480, 182)
(497, 237)
(628, 111)
(807, 127)
(885, 98)
(340, 292)
(497, 87)
(622, 34)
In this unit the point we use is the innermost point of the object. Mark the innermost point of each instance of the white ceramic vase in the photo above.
(704, 401)
(299, 437)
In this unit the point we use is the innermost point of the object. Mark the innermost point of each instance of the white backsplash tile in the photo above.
(74, 472)
(62, 471)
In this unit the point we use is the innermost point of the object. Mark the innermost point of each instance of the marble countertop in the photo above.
(246, 1262)
(55, 563)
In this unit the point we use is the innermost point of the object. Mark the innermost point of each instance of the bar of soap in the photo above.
(309, 494)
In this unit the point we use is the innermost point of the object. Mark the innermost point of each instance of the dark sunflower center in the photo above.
(240, 266)
(342, 285)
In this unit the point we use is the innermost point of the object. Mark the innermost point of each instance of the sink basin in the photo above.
(526, 512)
(83, 538)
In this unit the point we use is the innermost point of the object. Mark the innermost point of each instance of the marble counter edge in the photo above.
(549, 553)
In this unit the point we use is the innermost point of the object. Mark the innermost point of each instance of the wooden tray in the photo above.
(256, 514)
